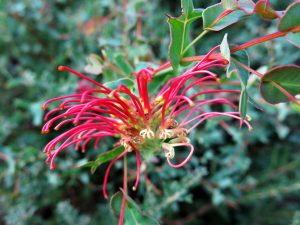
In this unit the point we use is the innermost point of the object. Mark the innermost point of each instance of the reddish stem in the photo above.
(139, 26)
(248, 68)
(238, 48)
(259, 40)
(124, 11)
(264, 39)
(108, 170)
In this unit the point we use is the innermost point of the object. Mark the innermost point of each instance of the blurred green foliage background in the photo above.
(235, 177)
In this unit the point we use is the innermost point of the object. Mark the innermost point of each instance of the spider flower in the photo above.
(145, 124)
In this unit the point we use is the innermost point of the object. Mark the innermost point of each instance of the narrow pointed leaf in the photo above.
(243, 75)
(109, 155)
(281, 78)
(225, 52)
(243, 103)
(103, 158)
(224, 47)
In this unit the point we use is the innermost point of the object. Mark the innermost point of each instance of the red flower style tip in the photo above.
(146, 124)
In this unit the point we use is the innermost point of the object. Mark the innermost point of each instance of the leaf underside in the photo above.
(285, 77)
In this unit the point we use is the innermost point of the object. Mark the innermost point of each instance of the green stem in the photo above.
(194, 41)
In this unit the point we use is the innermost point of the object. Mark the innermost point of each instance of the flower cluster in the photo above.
(146, 124)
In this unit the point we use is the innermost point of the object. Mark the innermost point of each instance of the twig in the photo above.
(189, 218)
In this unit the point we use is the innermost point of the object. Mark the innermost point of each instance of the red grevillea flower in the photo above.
(146, 124)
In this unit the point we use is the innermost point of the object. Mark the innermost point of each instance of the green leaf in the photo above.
(291, 17)
(123, 65)
(133, 214)
(230, 4)
(94, 65)
(243, 74)
(265, 10)
(86, 164)
(179, 32)
(116, 202)
(114, 84)
(285, 78)
(243, 104)
(117, 58)
(160, 79)
(103, 158)
(215, 17)
(247, 6)
(241, 56)
(225, 52)
(294, 38)
(254, 102)
(36, 113)
(224, 47)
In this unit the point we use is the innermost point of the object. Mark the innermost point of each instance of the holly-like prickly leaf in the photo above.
(291, 18)
(281, 84)
(133, 214)
(265, 10)
(216, 18)
(179, 32)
